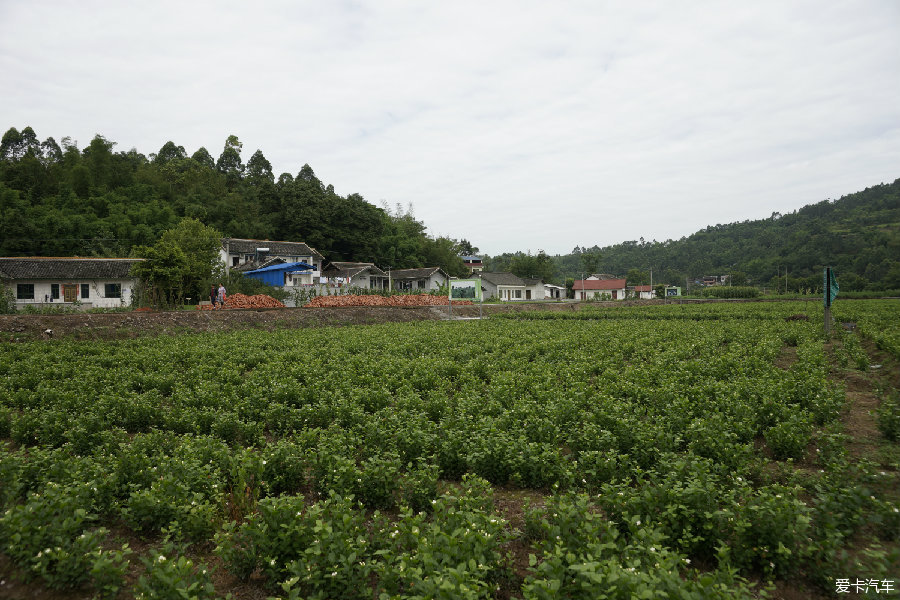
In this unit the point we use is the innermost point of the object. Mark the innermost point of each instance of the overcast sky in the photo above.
(518, 125)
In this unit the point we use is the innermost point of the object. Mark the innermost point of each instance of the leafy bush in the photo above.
(51, 536)
(790, 438)
(170, 575)
(888, 416)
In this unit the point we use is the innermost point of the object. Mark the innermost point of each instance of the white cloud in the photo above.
(517, 125)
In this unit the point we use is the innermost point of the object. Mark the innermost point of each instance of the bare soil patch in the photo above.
(138, 323)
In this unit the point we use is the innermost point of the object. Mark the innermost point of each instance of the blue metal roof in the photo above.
(295, 266)
(277, 274)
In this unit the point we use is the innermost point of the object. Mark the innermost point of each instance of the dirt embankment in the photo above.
(88, 326)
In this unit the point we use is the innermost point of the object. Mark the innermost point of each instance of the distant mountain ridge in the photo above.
(858, 235)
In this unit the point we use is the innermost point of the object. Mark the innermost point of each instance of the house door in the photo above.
(615, 294)
(528, 294)
(69, 293)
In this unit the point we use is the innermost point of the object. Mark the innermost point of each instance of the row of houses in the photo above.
(108, 283)
(603, 287)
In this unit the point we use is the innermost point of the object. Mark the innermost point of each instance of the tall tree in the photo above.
(169, 152)
(229, 163)
(259, 169)
(200, 245)
(203, 157)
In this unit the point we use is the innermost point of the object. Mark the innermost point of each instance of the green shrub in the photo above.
(169, 575)
(888, 416)
(790, 438)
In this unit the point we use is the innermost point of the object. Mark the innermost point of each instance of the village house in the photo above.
(554, 292)
(84, 282)
(502, 286)
(282, 274)
(426, 279)
(534, 288)
(597, 289)
(643, 292)
(343, 275)
(245, 255)
(473, 263)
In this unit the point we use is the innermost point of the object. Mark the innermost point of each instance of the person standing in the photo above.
(213, 294)
(221, 295)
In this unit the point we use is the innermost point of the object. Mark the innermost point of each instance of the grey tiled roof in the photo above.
(502, 278)
(351, 269)
(422, 273)
(252, 265)
(66, 268)
(530, 281)
(245, 246)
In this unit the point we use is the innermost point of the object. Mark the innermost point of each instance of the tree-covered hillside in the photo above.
(858, 235)
(58, 200)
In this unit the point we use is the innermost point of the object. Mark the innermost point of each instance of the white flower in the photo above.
(161, 558)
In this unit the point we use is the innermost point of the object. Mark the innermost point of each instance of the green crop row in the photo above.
(674, 426)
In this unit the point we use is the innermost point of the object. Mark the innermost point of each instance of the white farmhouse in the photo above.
(88, 282)
(249, 255)
(598, 289)
(426, 279)
(503, 286)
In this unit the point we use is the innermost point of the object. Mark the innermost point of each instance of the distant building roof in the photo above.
(422, 273)
(599, 284)
(247, 246)
(471, 258)
(253, 265)
(502, 278)
(529, 281)
(66, 268)
(643, 288)
(351, 269)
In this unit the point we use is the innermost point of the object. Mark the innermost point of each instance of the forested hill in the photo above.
(858, 235)
(57, 200)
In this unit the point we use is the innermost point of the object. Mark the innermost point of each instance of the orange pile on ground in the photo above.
(401, 300)
(244, 301)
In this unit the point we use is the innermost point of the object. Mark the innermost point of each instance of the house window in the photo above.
(518, 294)
(421, 284)
(85, 291)
(25, 291)
(234, 261)
(54, 291)
(112, 290)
